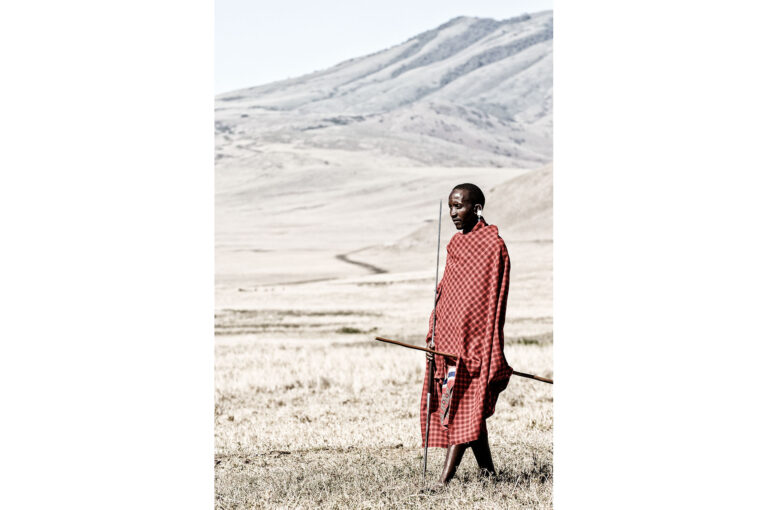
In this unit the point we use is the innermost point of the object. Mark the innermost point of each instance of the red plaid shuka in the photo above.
(471, 304)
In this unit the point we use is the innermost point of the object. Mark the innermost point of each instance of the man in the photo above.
(470, 310)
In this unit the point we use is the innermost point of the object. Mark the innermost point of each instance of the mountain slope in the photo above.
(472, 92)
(520, 207)
(336, 162)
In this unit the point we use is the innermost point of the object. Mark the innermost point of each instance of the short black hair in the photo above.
(475, 193)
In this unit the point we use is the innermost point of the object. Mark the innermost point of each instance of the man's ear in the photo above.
(479, 211)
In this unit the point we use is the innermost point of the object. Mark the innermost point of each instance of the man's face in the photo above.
(462, 210)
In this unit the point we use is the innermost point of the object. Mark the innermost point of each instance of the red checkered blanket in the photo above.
(472, 302)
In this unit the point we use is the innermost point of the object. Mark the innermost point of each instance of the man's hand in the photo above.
(430, 355)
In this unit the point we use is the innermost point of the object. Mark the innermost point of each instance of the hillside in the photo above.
(471, 92)
(321, 170)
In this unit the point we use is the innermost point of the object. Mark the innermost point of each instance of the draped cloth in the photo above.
(471, 305)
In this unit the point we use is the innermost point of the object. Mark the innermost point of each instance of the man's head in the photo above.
(465, 204)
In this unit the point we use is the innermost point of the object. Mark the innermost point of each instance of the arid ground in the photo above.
(312, 412)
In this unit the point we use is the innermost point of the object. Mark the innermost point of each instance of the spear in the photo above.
(448, 355)
(432, 346)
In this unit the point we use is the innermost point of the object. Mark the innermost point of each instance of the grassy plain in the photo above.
(312, 413)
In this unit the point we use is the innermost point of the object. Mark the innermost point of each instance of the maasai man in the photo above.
(471, 304)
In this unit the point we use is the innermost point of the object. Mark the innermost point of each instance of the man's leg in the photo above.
(482, 452)
(452, 460)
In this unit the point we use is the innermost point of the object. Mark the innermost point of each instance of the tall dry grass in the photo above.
(332, 422)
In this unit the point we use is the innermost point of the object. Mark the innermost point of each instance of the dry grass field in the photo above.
(334, 424)
(311, 412)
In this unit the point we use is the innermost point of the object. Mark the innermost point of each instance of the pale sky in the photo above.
(263, 41)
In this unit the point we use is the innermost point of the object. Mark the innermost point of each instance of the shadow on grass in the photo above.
(538, 472)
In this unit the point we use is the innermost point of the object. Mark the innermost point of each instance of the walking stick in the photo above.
(431, 371)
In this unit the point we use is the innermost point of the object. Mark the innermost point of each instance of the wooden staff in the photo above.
(448, 355)
(432, 345)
